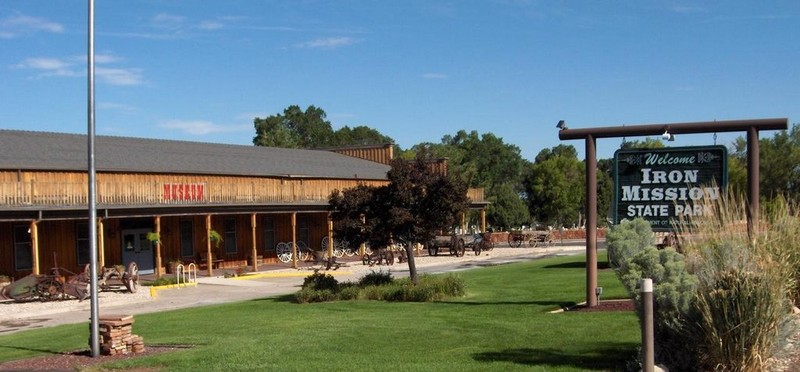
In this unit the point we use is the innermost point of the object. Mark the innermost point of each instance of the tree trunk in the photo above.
(412, 266)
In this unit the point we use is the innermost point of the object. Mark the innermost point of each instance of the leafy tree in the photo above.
(779, 159)
(296, 128)
(485, 161)
(507, 208)
(349, 209)
(555, 186)
(415, 204)
(359, 135)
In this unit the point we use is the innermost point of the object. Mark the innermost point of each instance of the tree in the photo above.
(485, 161)
(349, 209)
(308, 129)
(415, 204)
(555, 186)
(779, 159)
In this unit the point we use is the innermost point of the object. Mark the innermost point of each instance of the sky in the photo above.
(414, 70)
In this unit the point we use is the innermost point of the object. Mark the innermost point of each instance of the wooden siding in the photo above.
(67, 189)
(380, 154)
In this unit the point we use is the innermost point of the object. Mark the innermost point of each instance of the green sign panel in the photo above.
(667, 184)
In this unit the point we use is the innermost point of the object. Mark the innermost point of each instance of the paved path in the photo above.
(217, 290)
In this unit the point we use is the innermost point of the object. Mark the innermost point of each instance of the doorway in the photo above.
(136, 248)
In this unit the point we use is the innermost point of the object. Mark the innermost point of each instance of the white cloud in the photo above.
(48, 67)
(328, 43)
(434, 75)
(119, 76)
(76, 66)
(201, 127)
(211, 25)
(18, 25)
(167, 19)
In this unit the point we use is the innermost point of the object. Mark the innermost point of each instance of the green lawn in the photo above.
(502, 324)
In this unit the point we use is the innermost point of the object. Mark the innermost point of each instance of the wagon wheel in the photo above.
(477, 248)
(131, 277)
(338, 248)
(284, 253)
(488, 245)
(459, 248)
(49, 288)
(514, 241)
(433, 250)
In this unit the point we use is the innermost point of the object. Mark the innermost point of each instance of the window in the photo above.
(187, 238)
(82, 248)
(229, 237)
(269, 234)
(23, 255)
(303, 234)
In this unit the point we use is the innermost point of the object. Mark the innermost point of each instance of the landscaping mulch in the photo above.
(80, 359)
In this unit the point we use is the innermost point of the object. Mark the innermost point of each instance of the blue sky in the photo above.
(414, 70)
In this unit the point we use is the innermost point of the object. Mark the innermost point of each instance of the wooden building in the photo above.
(253, 197)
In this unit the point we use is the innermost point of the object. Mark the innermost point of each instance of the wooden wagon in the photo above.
(533, 238)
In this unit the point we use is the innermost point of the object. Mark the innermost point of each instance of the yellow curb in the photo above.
(154, 289)
(286, 275)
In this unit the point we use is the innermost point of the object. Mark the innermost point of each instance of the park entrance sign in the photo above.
(665, 185)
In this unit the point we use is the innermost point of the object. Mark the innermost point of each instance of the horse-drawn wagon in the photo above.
(533, 238)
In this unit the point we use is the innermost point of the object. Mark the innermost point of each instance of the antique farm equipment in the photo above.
(48, 287)
(128, 278)
(533, 238)
(457, 244)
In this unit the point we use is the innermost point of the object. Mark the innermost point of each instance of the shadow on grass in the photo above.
(559, 304)
(608, 357)
(9, 347)
(601, 265)
(289, 297)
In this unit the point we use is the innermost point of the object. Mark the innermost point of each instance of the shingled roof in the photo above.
(28, 150)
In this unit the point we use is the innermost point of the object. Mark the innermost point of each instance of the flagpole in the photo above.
(94, 327)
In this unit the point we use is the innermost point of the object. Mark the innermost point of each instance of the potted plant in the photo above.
(215, 238)
(153, 237)
(172, 266)
(4, 280)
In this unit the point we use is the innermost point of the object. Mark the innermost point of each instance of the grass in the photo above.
(503, 323)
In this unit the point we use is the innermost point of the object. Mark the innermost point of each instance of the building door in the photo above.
(136, 248)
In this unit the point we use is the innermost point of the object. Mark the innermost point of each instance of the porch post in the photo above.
(483, 220)
(101, 243)
(35, 246)
(209, 261)
(158, 246)
(294, 240)
(330, 237)
(253, 234)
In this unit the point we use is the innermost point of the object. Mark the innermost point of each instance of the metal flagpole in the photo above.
(94, 327)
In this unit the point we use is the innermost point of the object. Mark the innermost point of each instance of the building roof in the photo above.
(28, 150)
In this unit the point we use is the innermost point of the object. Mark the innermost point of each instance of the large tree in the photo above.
(485, 161)
(779, 164)
(309, 129)
(415, 204)
(555, 187)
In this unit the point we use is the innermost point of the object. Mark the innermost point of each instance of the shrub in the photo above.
(376, 279)
(673, 292)
(626, 239)
(745, 278)
(308, 295)
(736, 319)
(321, 282)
